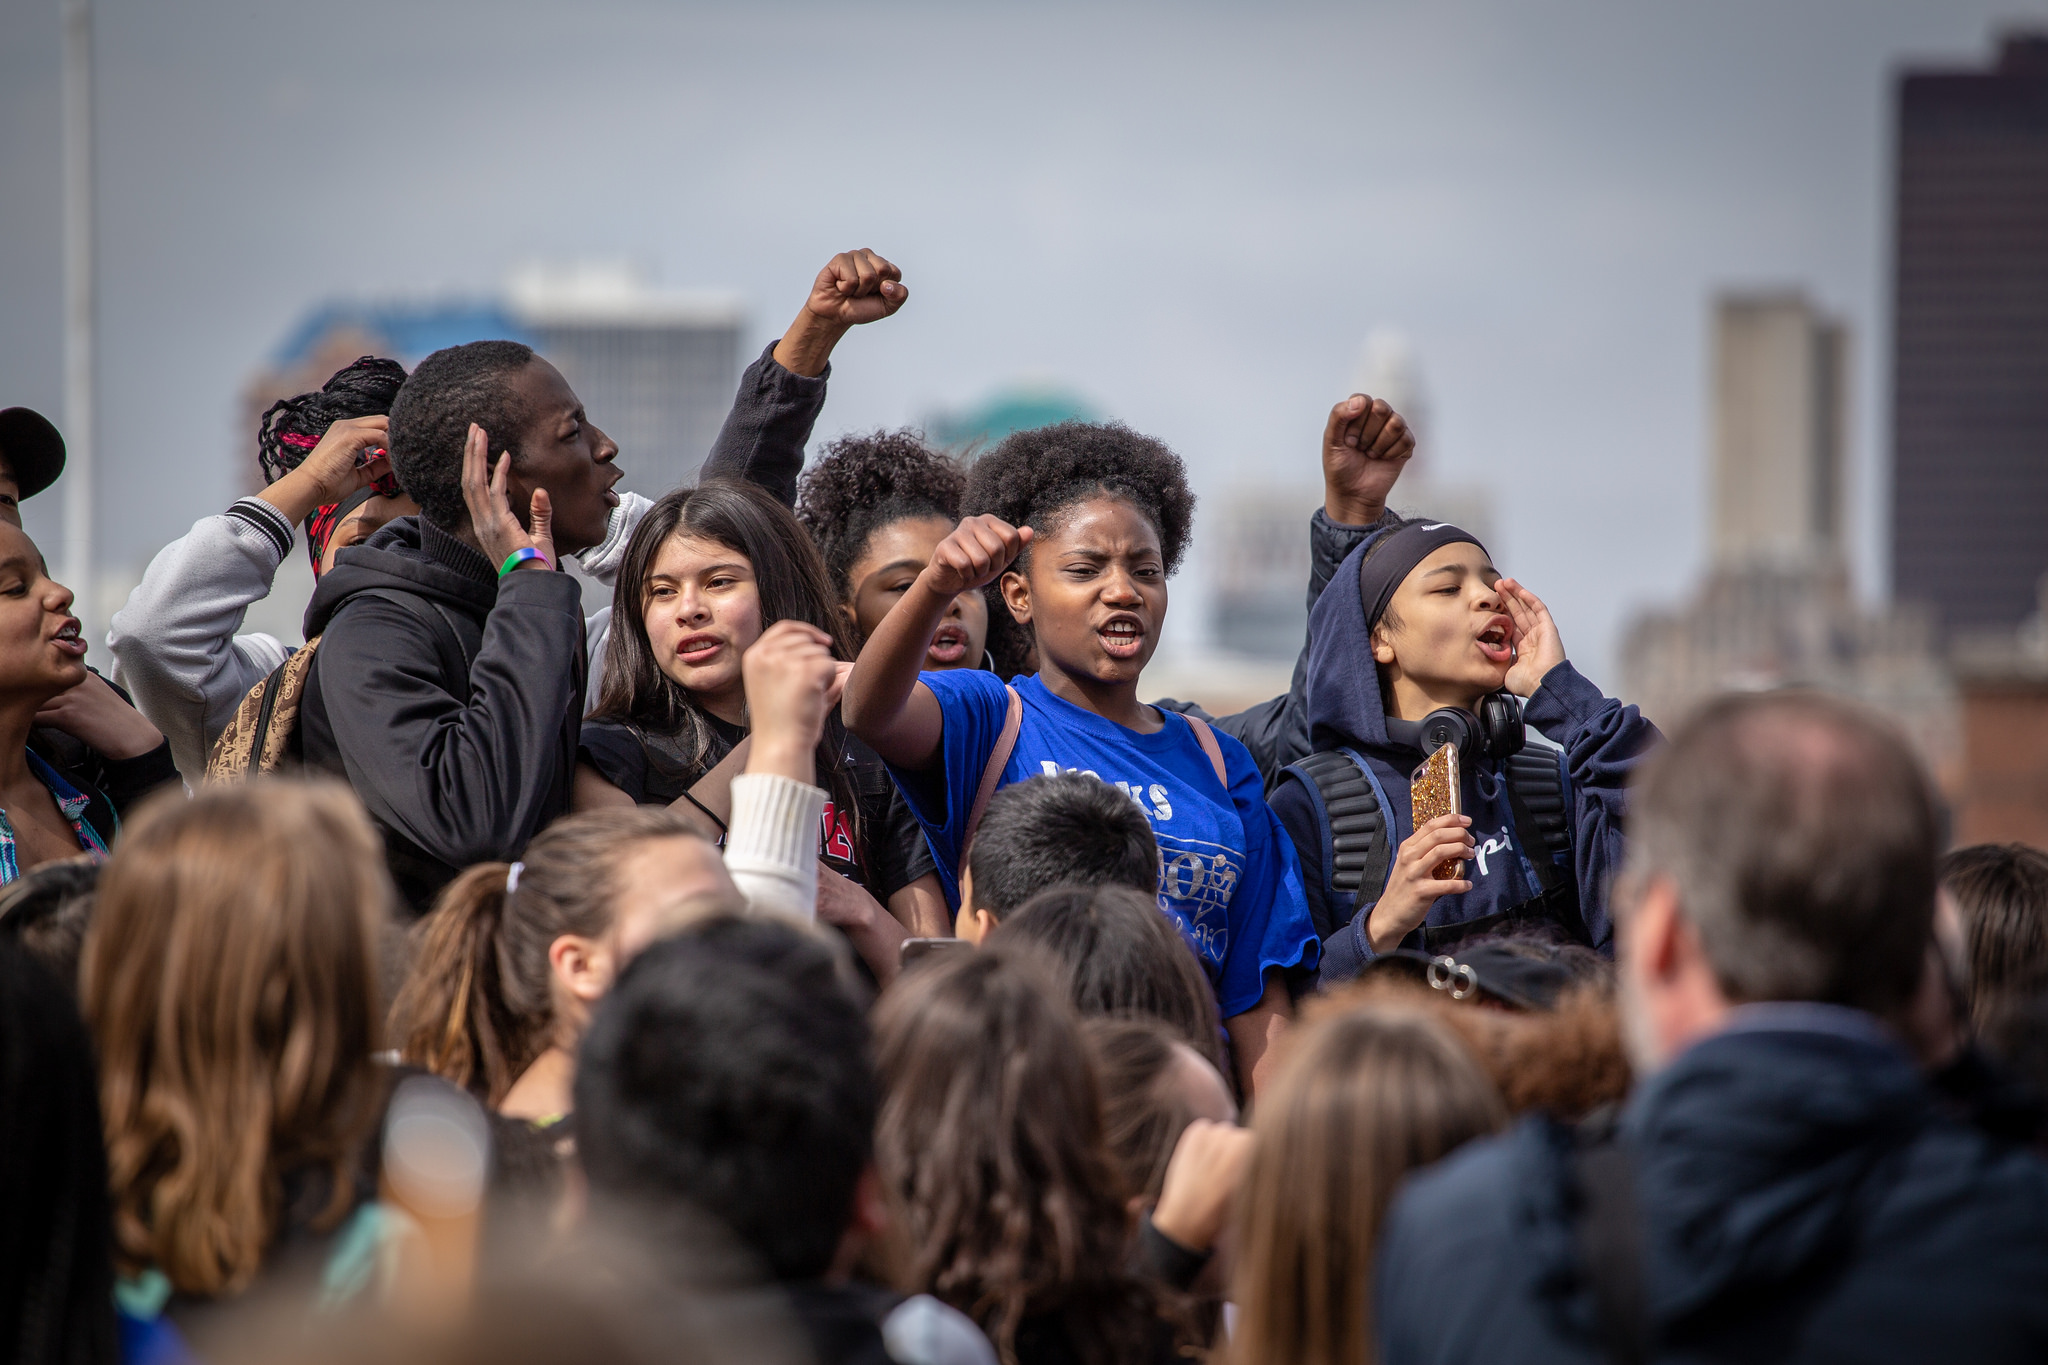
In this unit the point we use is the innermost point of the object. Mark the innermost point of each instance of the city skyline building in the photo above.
(1969, 496)
(655, 369)
(1780, 408)
(1776, 606)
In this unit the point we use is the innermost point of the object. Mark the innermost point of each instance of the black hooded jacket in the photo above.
(1801, 1195)
(455, 770)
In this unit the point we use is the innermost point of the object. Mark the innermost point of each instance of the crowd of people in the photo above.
(828, 953)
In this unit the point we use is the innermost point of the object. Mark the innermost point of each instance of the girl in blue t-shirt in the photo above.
(1080, 524)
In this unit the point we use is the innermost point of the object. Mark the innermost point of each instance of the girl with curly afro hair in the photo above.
(878, 505)
(1078, 526)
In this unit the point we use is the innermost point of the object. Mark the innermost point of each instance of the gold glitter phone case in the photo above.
(1433, 791)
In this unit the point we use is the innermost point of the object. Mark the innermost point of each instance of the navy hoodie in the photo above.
(1602, 741)
(1801, 1195)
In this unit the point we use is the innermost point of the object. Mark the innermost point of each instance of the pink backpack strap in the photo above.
(1206, 737)
(998, 759)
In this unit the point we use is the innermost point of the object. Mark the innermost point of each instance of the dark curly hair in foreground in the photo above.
(430, 421)
(863, 483)
(291, 427)
(1034, 476)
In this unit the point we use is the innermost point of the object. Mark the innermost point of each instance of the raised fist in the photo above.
(975, 555)
(792, 682)
(1366, 445)
(856, 287)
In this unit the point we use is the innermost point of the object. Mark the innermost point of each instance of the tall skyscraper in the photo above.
(1969, 514)
(1779, 412)
(1775, 607)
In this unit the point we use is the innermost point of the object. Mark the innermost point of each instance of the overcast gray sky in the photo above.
(1193, 214)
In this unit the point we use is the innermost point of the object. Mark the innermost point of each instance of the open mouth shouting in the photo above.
(948, 646)
(69, 638)
(1122, 636)
(697, 650)
(1497, 641)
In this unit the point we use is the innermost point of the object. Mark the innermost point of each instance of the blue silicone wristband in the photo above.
(518, 557)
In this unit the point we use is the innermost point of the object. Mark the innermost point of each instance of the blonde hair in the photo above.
(1361, 1097)
(230, 981)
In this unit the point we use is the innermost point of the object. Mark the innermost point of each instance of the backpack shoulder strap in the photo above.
(992, 771)
(1540, 794)
(260, 733)
(1352, 808)
(1205, 735)
(448, 639)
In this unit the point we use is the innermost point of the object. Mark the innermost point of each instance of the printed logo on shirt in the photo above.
(1196, 881)
(1152, 798)
(835, 835)
(1482, 847)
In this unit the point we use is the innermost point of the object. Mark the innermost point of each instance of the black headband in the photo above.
(1380, 573)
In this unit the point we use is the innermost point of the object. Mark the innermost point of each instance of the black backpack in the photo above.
(1351, 805)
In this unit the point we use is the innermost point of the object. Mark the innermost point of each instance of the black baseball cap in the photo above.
(32, 448)
(1492, 971)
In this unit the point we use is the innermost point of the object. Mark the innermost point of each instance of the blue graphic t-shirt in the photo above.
(1227, 872)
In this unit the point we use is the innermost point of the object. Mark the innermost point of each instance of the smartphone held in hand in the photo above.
(1434, 790)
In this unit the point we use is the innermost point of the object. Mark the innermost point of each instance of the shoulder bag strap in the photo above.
(259, 736)
(448, 639)
(992, 772)
(1206, 737)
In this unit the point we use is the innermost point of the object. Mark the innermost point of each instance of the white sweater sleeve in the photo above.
(601, 562)
(174, 642)
(771, 844)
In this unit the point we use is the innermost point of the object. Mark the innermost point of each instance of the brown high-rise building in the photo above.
(1969, 515)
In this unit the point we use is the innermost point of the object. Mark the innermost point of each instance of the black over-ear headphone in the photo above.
(1496, 732)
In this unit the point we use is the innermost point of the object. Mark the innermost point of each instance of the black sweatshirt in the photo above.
(455, 771)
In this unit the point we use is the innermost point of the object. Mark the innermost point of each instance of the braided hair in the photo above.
(863, 483)
(291, 427)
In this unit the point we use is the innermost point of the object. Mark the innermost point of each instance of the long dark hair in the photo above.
(790, 577)
(990, 1147)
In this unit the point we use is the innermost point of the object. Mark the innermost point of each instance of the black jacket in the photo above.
(1802, 1195)
(763, 439)
(455, 770)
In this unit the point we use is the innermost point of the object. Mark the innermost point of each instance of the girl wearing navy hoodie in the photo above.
(1459, 654)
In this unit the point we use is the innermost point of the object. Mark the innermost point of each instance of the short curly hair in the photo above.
(430, 421)
(863, 483)
(1034, 476)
